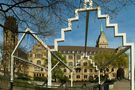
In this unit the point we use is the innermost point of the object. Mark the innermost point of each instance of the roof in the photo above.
(102, 39)
(81, 48)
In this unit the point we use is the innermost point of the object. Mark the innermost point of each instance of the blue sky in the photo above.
(125, 19)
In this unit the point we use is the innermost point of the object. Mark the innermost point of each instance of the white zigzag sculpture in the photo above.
(108, 25)
(89, 59)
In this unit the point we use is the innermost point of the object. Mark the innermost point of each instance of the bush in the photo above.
(23, 77)
(40, 79)
(63, 79)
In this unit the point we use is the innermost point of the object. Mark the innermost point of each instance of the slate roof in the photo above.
(82, 48)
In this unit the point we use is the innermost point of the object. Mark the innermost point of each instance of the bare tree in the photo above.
(46, 16)
(42, 16)
(1, 51)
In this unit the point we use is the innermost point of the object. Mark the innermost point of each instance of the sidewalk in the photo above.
(122, 85)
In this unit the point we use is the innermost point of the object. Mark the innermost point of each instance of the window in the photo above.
(112, 69)
(91, 78)
(107, 69)
(69, 52)
(85, 70)
(95, 70)
(70, 57)
(78, 70)
(95, 76)
(94, 52)
(85, 64)
(78, 76)
(38, 55)
(35, 74)
(40, 75)
(73, 51)
(42, 69)
(70, 63)
(101, 70)
(69, 76)
(65, 70)
(85, 76)
(78, 57)
(38, 62)
(91, 70)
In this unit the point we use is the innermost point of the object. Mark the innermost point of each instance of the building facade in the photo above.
(37, 55)
(82, 67)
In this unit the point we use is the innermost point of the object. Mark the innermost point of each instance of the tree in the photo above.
(57, 73)
(102, 59)
(45, 16)
(1, 52)
(40, 15)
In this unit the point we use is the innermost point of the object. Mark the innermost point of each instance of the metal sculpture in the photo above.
(45, 47)
(88, 6)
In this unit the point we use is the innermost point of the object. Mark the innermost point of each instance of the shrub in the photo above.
(23, 77)
(40, 79)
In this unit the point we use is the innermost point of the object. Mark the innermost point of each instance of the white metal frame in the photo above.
(108, 25)
(69, 28)
(93, 64)
(49, 58)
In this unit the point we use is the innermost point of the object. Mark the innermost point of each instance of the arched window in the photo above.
(85, 64)
(65, 70)
(38, 62)
(70, 57)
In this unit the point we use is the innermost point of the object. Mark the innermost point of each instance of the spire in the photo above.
(102, 41)
(101, 28)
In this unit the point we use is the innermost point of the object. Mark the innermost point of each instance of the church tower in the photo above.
(102, 41)
(10, 40)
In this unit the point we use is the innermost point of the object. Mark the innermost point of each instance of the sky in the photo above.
(125, 20)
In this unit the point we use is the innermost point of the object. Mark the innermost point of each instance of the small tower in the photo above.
(102, 41)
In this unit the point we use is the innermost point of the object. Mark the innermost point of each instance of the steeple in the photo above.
(102, 41)
(101, 28)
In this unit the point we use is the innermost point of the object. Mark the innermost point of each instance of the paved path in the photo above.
(122, 85)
